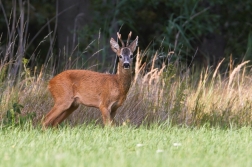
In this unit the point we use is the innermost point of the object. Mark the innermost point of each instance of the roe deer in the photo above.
(104, 91)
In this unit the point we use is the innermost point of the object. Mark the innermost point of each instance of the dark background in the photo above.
(65, 34)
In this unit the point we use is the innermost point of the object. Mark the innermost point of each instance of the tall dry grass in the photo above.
(157, 95)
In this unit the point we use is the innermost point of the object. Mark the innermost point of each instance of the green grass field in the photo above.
(89, 145)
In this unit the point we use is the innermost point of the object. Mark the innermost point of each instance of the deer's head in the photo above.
(125, 53)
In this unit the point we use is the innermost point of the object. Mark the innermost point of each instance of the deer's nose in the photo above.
(126, 65)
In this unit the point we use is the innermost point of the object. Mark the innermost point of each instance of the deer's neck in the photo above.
(124, 77)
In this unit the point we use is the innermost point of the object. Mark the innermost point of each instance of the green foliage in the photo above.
(150, 22)
(14, 117)
(178, 25)
(13, 114)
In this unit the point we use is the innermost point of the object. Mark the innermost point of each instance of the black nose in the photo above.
(126, 65)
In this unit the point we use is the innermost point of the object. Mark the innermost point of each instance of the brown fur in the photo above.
(104, 91)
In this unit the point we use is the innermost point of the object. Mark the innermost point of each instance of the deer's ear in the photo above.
(114, 45)
(133, 45)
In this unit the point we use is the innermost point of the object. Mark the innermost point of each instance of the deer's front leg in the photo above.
(105, 115)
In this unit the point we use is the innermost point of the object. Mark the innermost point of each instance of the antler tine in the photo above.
(129, 36)
(119, 37)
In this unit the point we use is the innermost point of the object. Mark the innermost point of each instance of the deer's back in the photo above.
(88, 86)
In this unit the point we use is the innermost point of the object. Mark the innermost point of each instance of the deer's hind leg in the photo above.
(56, 112)
(63, 98)
(65, 114)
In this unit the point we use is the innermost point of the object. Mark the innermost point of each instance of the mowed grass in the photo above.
(89, 145)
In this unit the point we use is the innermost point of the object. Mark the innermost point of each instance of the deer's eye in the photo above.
(120, 56)
(131, 56)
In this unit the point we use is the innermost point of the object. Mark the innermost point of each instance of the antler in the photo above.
(129, 36)
(119, 37)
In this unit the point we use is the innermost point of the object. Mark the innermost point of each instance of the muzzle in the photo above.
(126, 65)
